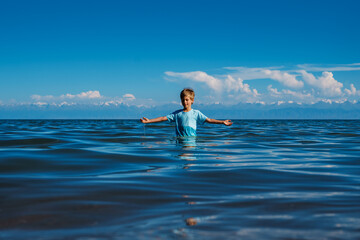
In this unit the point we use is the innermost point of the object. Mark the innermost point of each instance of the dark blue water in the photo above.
(85, 179)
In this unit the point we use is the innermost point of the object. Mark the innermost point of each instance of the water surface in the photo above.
(117, 179)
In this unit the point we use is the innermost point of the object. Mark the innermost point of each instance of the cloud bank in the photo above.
(326, 83)
(309, 91)
(88, 97)
(302, 84)
(81, 96)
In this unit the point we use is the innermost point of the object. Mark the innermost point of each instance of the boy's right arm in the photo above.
(154, 120)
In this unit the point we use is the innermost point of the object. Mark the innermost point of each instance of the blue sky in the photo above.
(145, 52)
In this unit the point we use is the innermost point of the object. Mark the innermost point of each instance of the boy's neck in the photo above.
(187, 109)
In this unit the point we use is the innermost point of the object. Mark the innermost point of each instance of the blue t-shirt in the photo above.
(186, 121)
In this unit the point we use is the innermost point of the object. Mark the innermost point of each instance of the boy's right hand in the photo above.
(144, 120)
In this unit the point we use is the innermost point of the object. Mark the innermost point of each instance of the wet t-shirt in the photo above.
(186, 122)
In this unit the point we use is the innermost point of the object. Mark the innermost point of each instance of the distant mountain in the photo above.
(320, 110)
(286, 111)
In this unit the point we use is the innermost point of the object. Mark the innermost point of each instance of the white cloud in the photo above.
(239, 86)
(228, 84)
(326, 83)
(80, 96)
(89, 94)
(88, 97)
(334, 68)
(83, 95)
(352, 90)
(298, 95)
(284, 78)
(289, 96)
(129, 97)
(273, 91)
(68, 95)
(199, 76)
(43, 98)
(228, 89)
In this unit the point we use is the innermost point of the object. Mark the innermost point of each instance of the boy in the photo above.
(186, 119)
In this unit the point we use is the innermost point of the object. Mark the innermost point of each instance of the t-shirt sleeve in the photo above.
(171, 117)
(201, 118)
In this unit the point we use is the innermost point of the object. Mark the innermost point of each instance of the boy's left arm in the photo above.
(225, 122)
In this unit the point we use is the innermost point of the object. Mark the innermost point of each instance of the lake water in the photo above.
(119, 179)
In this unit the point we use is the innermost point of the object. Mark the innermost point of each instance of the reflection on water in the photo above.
(186, 142)
(93, 179)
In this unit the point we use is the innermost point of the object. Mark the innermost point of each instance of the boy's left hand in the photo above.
(228, 122)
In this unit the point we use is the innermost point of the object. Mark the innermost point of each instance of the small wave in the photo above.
(81, 179)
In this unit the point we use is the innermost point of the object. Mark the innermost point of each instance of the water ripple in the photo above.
(117, 179)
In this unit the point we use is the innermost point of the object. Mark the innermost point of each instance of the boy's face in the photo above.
(187, 102)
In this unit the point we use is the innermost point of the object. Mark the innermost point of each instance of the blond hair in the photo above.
(187, 92)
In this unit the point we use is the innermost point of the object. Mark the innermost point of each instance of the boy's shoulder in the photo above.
(197, 111)
(177, 111)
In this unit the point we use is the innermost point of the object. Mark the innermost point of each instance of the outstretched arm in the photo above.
(154, 120)
(225, 122)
